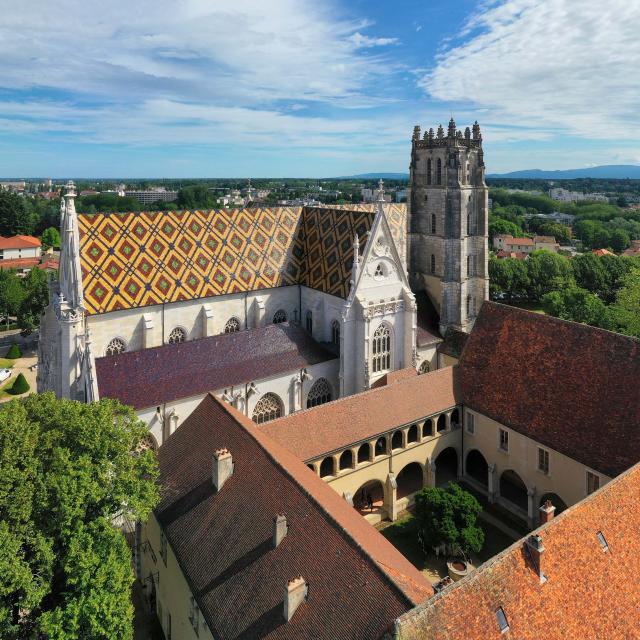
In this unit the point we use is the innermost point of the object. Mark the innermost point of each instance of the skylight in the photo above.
(502, 620)
(603, 541)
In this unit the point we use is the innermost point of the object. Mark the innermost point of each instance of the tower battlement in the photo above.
(471, 138)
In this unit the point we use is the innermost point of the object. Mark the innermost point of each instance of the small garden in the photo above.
(17, 384)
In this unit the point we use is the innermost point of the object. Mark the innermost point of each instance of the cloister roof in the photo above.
(138, 259)
(334, 425)
(358, 582)
(568, 386)
(588, 592)
(150, 377)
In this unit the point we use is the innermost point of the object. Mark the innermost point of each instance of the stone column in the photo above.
(532, 511)
(354, 457)
(432, 473)
(459, 473)
(491, 479)
(207, 321)
(391, 490)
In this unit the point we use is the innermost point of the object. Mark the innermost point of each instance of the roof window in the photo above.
(603, 541)
(502, 620)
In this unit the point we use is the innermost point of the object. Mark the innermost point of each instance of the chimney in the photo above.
(280, 529)
(547, 511)
(295, 594)
(222, 467)
(536, 549)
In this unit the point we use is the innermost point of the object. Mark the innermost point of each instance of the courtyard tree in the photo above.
(69, 473)
(36, 298)
(448, 516)
(51, 237)
(626, 309)
(578, 305)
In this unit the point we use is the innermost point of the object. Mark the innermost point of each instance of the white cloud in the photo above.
(365, 42)
(561, 66)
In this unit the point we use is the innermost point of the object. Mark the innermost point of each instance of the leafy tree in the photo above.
(20, 385)
(448, 516)
(12, 292)
(14, 352)
(560, 232)
(51, 237)
(16, 215)
(196, 196)
(68, 472)
(578, 305)
(498, 226)
(508, 278)
(620, 240)
(626, 310)
(590, 273)
(547, 271)
(35, 300)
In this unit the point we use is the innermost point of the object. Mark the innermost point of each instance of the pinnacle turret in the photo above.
(452, 128)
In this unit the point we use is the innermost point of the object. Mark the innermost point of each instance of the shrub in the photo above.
(19, 386)
(14, 352)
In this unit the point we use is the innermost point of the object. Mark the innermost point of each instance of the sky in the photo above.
(301, 88)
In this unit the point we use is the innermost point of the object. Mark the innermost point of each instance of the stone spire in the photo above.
(440, 133)
(476, 131)
(355, 270)
(416, 133)
(70, 272)
(452, 128)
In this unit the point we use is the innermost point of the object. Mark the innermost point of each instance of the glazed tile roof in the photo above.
(358, 582)
(138, 259)
(334, 425)
(150, 377)
(568, 386)
(589, 594)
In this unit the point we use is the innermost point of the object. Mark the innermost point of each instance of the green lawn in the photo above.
(536, 307)
(4, 390)
(5, 363)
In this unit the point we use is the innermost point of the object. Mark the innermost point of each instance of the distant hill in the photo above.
(374, 176)
(619, 171)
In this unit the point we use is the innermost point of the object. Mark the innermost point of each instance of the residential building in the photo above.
(508, 244)
(19, 247)
(564, 195)
(153, 195)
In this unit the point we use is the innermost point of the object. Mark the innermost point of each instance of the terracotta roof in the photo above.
(588, 594)
(42, 262)
(358, 582)
(454, 341)
(19, 242)
(394, 376)
(518, 255)
(569, 386)
(328, 427)
(138, 259)
(149, 377)
(602, 252)
(519, 241)
(545, 239)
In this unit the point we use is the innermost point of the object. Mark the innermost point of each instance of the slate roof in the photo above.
(568, 386)
(358, 582)
(137, 259)
(454, 341)
(331, 426)
(149, 377)
(589, 594)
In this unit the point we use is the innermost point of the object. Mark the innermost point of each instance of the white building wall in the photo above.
(29, 252)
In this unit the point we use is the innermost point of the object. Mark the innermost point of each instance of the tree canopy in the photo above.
(68, 473)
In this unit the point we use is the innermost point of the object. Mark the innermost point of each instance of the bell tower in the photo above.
(448, 223)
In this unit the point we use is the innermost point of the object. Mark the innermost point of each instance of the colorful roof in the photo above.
(358, 583)
(19, 242)
(588, 593)
(568, 386)
(137, 259)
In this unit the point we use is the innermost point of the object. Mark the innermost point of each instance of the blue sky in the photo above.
(232, 88)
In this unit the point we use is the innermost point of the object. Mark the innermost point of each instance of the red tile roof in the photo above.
(358, 582)
(569, 386)
(42, 262)
(394, 376)
(149, 377)
(589, 594)
(334, 425)
(519, 255)
(19, 242)
(602, 252)
(519, 241)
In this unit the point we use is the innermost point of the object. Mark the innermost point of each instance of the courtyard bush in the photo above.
(14, 352)
(19, 386)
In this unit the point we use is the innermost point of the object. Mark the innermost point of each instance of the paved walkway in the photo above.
(498, 524)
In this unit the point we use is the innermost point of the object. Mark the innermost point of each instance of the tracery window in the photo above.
(335, 333)
(379, 273)
(309, 321)
(269, 407)
(424, 368)
(433, 263)
(433, 223)
(439, 171)
(233, 325)
(319, 394)
(279, 316)
(381, 349)
(177, 335)
(115, 346)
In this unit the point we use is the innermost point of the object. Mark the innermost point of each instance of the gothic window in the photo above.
(117, 345)
(309, 321)
(379, 272)
(424, 368)
(471, 310)
(433, 223)
(382, 349)
(439, 172)
(279, 316)
(269, 407)
(433, 263)
(177, 335)
(468, 224)
(319, 394)
(233, 325)
(429, 171)
(335, 333)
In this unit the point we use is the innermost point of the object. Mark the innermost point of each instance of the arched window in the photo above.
(381, 446)
(427, 428)
(115, 346)
(364, 452)
(424, 368)
(279, 316)
(327, 467)
(382, 349)
(439, 172)
(412, 434)
(233, 325)
(309, 321)
(433, 223)
(396, 440)
(269, 407)
(335, 333)
(429, 171)
(319, 393)
(346, 460)
(433, 263)
(177, 335)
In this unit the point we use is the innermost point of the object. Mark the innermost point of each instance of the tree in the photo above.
(12, 292)
(68, 472)
(508, 277)
(14, 352)
(547, 271)
(620, 240)
(16, 215)
(498, 226)
(578, 305)
(35, 300)
(51, 237)
(448, 516)
(589, 272)
(20, 385)
(626, 310)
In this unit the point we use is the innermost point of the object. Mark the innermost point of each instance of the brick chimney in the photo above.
(536, 549)
(547, 511)
(222, 467)
(280, 529)
(294, 595)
